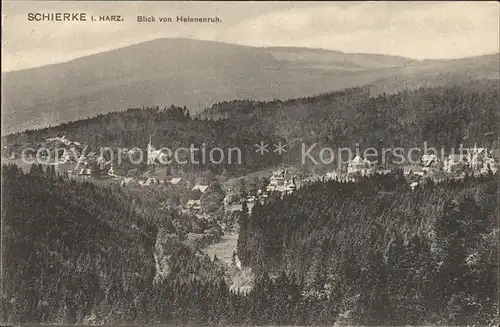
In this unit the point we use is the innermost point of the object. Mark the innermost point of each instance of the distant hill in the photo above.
(198, 73)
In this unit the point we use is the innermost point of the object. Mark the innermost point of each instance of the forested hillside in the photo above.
(441, 116)
(366, 253)
(79, 253)
(384, 252)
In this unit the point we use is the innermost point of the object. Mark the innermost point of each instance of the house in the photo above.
(149, 181)
(278, 177)
(63, 140)
(193, 205)
(126, 181)
(153, 180)
(132, 153)
(359, 165)
(201, 188)
(276, 180)
(428, 159)
(59, 139)
(430, 162)
(454, 163)
(289, 188)
(226, 200)
(407, 170)
(85, 172)
(415, 170)
(413, 185)
(177, 181)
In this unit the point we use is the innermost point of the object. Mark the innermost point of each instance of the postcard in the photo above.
(249, 163)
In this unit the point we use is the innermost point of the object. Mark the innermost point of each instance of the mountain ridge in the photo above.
(273, 48)
(199, 73)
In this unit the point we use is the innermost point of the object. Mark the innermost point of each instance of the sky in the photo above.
(418, 30)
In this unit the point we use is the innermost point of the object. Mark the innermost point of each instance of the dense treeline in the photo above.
(74, 251)
(389, 254)
(442, 116)
(370, 252)
(68, 248)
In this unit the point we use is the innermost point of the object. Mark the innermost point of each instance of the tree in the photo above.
(195, 194)
(224, 177)
(50, 172)
(243, 190)
(244, 207)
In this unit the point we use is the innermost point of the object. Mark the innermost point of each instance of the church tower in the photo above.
(150, 151)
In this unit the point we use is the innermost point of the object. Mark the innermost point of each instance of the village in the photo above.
(277, 183)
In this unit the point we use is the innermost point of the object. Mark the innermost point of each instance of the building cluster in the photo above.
(62, 140)
(282, 181)
(473, 161)
(476, 160)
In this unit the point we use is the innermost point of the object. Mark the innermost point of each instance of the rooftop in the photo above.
(175, 180)
(201, 188)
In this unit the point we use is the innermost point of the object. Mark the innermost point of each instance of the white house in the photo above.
(489, 164)
(279, 181)
(414, 170)
(454, 163)
(193, 205)
(85, 172)
(359, 165)
(126, 181)
(430, 162)
(201, 188)
(177, 181)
